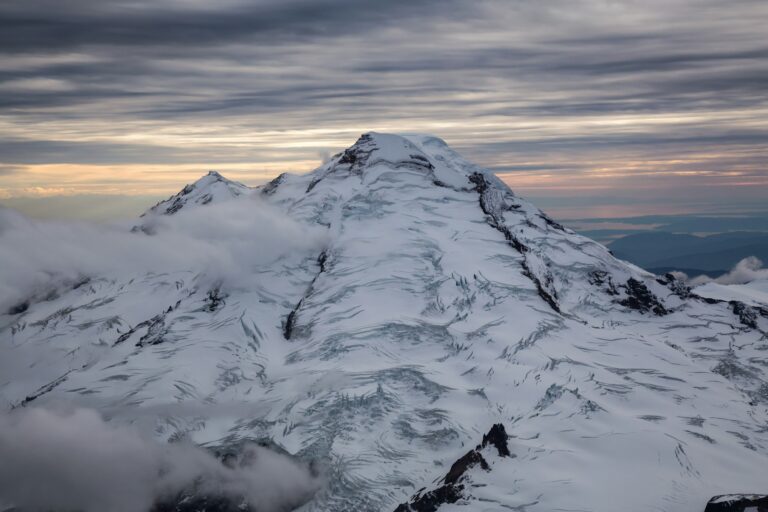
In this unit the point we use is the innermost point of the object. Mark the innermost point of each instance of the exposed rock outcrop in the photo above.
(453, 483)
(738, 503)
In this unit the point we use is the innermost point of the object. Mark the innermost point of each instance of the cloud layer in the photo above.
(73, 460)
(747, 270)
(222, 241)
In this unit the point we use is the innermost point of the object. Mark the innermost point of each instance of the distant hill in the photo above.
(713, 254)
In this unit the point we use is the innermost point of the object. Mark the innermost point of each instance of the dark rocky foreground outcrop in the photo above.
(738, 503)
(452, 488)
(640, 298)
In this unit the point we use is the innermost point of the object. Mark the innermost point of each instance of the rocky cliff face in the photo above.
(440, 305)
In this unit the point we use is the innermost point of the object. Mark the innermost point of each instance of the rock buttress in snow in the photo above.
(453, 488)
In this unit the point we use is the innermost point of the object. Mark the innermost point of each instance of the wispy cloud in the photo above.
(745, 271)
(223, 241)
(6, 170)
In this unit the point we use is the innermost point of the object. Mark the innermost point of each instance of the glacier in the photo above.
(434, 305)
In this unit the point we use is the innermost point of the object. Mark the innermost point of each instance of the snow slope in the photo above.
(754, 293)
(440, 305)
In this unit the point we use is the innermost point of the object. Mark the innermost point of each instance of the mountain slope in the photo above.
(439, 305)
(754, 293)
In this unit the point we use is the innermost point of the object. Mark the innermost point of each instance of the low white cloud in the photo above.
(747, 270)
(74, 460)
(325, 157)
(223, 242)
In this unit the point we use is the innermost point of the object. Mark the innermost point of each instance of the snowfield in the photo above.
(421, 303)
(754, 293)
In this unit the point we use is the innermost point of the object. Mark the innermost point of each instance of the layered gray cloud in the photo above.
(42, 23)
(519, 85)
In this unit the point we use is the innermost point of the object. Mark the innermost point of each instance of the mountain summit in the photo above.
(448, 345)
(211, 187)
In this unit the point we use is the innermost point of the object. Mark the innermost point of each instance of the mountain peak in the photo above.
(435, 304)
(386, 147)
(395, 148)
(212, 177)
(212, 187)
(374, 153)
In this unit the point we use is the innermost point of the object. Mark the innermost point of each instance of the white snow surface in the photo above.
(211, 188)
(754, 293)
(423, 321)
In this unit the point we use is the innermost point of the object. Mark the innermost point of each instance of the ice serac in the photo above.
(441, 304)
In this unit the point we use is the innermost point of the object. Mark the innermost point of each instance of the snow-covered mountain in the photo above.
(211, 188)
(754, 293)
(438, 305)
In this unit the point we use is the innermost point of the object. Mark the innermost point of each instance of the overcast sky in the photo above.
(622, 105)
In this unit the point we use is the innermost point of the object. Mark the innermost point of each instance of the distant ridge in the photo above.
(713, 254)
